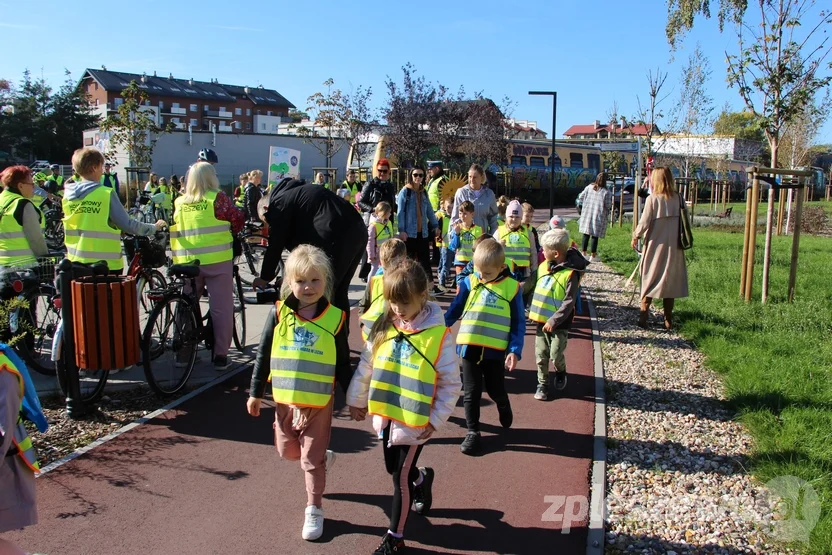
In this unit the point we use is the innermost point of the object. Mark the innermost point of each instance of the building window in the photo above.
(258, 112)
(237, 125)
(248, 125)
(194, 107)
(147, 102)
(175, 105)
(238, 111)
(269, 113)
(222, 108)
(118, 102)
(161, 105)
(206, 108)
(194, 122)
(96, 102)
(263, 126)
(248, 111)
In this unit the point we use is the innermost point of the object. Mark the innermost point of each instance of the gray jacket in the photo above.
(485, 206)
(119, 218)
(17, 482)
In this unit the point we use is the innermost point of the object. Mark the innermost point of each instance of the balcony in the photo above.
(180, 126)
(224, 128)
(218, 114)
(177, 111)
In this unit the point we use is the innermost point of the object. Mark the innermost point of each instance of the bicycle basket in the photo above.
(144, 197)
(153, 254)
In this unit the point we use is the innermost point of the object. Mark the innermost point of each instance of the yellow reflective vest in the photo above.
(486, 321)
(435, 191)
(303, 357)
(167, 204)
(465, 252)
(376, 308)
(384, 232)
(549, 292)
(88, 234)
(404, 375)
(20, 439)
(59, 183)
(353, 190)
(518, 247)
(197, 234)
(14, 247)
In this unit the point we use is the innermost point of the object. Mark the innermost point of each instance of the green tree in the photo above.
(682, 13)
(30, 126)
(71, 115)
(297, 116)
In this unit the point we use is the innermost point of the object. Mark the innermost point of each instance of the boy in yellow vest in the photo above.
(462, 235)
(553, 306)
(446, 255)
(490, 337)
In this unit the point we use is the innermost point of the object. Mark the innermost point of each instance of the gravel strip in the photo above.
(676, 457)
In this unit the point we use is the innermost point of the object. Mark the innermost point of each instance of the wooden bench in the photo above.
(726, 214)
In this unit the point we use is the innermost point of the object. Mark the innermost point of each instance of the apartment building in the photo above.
(200, 105)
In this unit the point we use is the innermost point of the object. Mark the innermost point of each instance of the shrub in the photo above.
(814, 221)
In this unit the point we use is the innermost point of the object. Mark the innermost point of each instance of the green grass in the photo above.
(739, 207)
(775, 359)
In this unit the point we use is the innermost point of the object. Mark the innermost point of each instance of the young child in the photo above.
(553, 306)
(301, 348)
(490, 336)
(502, 205)
(390, 254)
(518, 247)
(462, 236)
(534, 238)
(446, 255)
(379, 231)
(408, 380)
(469, 268)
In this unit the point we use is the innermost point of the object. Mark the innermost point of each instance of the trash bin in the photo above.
(105, 314)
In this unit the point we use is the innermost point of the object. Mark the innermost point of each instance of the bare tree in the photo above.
(487, 132)
(650, 113)
(327, 110)
(357, 118)
(695, 109)
(448, 129)
(799, 135)
(411, 108)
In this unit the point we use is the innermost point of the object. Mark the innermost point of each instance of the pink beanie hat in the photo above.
(514, 208)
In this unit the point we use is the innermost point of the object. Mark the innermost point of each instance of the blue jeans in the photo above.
(446, 261)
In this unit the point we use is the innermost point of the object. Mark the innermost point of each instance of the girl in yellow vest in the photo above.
(408, 380)
(372, 306)
(516, 243)
(379, 231)
(304, 349)
(490, 337)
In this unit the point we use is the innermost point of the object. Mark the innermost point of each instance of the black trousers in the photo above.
(400, 461)
(418, 248)
(594, 245)
(345, 259)
(475, 374)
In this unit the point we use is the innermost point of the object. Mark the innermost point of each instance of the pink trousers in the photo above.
(307, 444)
(219, 278)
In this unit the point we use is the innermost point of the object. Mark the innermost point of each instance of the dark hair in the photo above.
(13, 176)
(467, 206)
(600, 180)
(410, 175)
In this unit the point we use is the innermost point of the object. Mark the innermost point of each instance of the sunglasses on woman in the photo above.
(418, 175)
(383, 171)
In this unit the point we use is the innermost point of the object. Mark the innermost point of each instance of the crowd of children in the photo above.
(408, 377)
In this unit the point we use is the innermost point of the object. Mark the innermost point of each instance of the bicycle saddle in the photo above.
(184, 270)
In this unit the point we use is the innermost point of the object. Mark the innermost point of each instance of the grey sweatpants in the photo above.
(219, 279)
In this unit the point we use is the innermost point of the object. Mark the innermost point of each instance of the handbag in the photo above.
(685, 227)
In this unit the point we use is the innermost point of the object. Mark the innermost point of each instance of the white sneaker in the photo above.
(313, 523)
(594, 259)
(330, 459)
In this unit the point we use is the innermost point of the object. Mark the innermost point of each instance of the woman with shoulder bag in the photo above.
(417, 221)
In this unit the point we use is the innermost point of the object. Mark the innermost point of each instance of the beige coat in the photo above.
(17, 482)
(664, 274)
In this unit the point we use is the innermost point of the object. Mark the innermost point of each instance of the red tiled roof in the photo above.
(639, 129)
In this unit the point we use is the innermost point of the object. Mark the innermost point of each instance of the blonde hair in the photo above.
(301, 262)
(382, 207)
(489, 254)
(85, 160)
(405, 283)
(662, 182)
(255, 173)
(527, 208)
(502, 205)
(202, 178)
(555, 240)
(390, 251)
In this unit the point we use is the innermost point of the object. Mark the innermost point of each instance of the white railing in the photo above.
(180, 111)
(223, 127)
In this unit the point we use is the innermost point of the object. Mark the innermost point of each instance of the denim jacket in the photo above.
(406, 202)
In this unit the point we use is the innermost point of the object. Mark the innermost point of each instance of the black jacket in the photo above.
(251, 197)
(376, 191)
(301, 213)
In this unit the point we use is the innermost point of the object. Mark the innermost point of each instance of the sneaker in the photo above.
(542, 392)
(423, 494)
(221, 363)
(471, 443)
(506, 416)
(594, 259)
(390, 545)
(330, 459)
(560, 380)
(313, 523)
(438, 290)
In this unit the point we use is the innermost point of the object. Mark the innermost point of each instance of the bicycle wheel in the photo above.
(92, 382)
(148, 280)
(169, 345)
(250, 262)
(239, 333)
(39, 322)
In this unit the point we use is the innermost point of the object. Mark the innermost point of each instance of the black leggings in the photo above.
(418, 248)
(400, 461)
(490, 372)
(594, 249)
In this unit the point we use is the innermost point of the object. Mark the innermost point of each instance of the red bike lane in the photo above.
(204, 477)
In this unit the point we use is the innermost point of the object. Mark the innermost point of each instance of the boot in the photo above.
(644, 312)
(668, 313)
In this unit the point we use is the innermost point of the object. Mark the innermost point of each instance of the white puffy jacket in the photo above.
(448, 384)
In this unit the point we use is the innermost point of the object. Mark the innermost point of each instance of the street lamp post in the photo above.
(554, 96)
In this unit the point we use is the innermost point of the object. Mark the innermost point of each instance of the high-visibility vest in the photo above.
(435, 191)
(384, 232)
(167, 204)
(404, 375)
(353, 190)
(196, 234)
(14, 247)
(303, 357)
(20, 438)
(376, 308)
(108, 179)
(445, 222)
(486, 321)
(518, 247)
(88, 235)
(549, 292)
(59, 183)
(466, 244)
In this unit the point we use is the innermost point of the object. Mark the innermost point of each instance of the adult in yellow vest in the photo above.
(166, 203)
(353, 186)
(21, 238)
(203, 223)
(109, 178)
(152, 184)
(320, 179)
(55, 181)
(18, 459)
(94, 216)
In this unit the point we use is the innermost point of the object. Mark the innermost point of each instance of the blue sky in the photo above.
(593, 52)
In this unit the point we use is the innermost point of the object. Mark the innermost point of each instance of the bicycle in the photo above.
(176, 327)
(253, 247)
(145, 256)
(53, 231)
